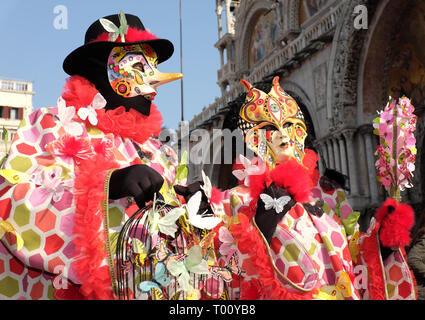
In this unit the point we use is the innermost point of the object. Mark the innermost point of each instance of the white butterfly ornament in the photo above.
(89, 112)
(217, 208)
(198, 220)
(276, 204)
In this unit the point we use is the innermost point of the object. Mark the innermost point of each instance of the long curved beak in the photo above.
(161, 78)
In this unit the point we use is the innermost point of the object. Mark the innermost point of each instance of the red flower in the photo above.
(72, 147)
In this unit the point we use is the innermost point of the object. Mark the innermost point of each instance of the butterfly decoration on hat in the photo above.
(114, 31)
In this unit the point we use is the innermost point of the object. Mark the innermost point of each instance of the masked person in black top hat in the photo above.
(94, 153)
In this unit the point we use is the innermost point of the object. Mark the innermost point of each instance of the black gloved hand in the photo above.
(188, 191)
(267, 219)
(139, 181)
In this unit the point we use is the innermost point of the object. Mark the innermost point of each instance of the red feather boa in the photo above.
(88, 229)
(394, 231)
(79, 92)
(89, 238)
(370, 253)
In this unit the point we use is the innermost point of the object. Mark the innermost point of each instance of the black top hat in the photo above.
(98, 51)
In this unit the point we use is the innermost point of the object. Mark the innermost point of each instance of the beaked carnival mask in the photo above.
(132, 71)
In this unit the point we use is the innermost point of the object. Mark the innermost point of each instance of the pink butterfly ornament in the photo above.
(66, 116)
(249, 169)
(227, 247)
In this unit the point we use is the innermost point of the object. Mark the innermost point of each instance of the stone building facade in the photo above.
(15, 104)
(340, 59)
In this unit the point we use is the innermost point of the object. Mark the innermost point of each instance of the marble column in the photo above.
(349, 139)
(329, 147)
(336, 154)
(221, 49)
(322, 157)
(371, 170)
(324, 153)
(219, 10)
(229, 25)
(343, 155)
(362, 163)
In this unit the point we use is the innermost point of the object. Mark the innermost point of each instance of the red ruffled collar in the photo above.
(79, 92)
(298, 179)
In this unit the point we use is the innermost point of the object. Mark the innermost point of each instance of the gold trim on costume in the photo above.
(106, 229)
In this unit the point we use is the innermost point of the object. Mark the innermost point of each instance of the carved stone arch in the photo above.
(298, 93)
(248, 15)
(375, 59)
(224, 153)
(307, 108)
(375, 67)
(391, 29)
(343, 66)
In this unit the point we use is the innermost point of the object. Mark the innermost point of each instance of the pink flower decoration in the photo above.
(396, 118)
(51, 184)
(227, 247)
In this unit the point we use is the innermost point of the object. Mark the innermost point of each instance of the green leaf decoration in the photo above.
(350, 222)
(181, 171)
(5, 137)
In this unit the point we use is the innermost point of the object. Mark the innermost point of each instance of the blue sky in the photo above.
(33, 49)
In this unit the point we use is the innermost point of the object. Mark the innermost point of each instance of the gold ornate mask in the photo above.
(278, 131)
